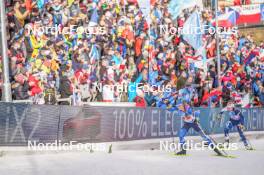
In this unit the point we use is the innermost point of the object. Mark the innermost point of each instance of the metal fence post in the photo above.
(6, 87)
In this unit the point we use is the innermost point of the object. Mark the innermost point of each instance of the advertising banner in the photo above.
(21, 123)
(227, 3)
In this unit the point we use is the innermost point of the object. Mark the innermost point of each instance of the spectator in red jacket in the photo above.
(140, 100)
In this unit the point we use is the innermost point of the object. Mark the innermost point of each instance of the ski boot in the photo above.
(182, 152)
(227, 142)
(218, 152)
(249, 147)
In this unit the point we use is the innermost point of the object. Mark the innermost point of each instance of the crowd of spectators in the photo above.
(121, 49)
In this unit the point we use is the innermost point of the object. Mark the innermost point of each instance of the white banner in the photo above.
(247, 9)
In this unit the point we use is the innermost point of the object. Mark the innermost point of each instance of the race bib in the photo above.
(235, 117)
(189, 119)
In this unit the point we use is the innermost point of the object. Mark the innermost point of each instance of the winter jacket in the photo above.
(65, 87)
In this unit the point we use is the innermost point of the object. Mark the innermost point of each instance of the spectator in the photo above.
(66, 89)
(48, 50)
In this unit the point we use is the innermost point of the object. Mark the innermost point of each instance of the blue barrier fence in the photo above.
(20, 123)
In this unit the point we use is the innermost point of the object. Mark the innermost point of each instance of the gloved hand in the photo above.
(241, 127)
(197, 120)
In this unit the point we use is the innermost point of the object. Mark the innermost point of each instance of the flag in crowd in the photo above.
(262, 12)
(94, 54)
(250, 14)
(144, 6)
(228, 19)
(251, 56)
(193, 31)
(176, 6)
(94, 18)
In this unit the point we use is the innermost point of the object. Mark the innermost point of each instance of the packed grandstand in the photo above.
(85, 50)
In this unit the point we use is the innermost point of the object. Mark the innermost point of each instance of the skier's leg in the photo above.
(243, 137)
(228, 126)
(60, 19)
(182, 135)
(183, 131)
(54, 19)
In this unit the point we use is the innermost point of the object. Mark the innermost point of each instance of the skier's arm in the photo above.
(196, 115)
(227, 108)
(189, 111)
(220, 114)
(242, 119)
(223, 110)
(241, 122)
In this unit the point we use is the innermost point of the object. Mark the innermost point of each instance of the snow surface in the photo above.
(137, 162)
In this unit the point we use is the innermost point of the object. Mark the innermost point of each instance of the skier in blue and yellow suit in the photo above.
(191, 121)
(182, 98)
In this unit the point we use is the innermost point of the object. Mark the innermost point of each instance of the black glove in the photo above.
(197, 120)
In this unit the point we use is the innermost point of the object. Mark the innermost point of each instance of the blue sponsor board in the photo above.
(20, 123)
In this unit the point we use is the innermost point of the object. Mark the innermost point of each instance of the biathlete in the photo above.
(190, 121)
(236, 120)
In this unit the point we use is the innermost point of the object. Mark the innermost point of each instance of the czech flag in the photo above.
(248, 13)
(228, 19)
